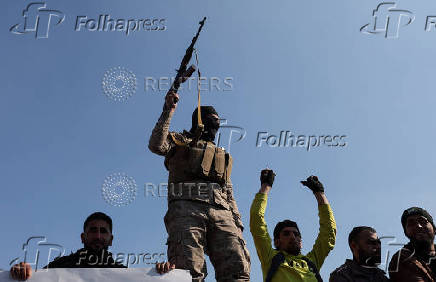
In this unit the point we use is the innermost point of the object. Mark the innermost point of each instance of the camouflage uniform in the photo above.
(202, 215)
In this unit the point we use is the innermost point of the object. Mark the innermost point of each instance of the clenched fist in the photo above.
(171, 100)
(21, 271)
(313, 184)
(267, 176)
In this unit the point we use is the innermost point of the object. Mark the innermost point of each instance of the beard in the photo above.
(369, 259)
(293, 249)
(96, 246)
(422, 246)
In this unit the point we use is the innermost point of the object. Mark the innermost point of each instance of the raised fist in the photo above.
(171, 100)
(267, 176)
(313, 184)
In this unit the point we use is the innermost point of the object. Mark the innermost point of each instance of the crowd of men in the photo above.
(285, 262)
(414, 262)
(203, 218)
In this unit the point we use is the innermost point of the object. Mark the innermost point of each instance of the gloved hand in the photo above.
(267, 176)
(313, 184)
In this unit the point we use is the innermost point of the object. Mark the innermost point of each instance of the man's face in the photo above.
(419, 229)
(97, 235)
(211, 125)
(289, 240)
(367, 249)
(212, 119)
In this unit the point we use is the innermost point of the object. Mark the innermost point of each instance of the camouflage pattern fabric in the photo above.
(196, 227)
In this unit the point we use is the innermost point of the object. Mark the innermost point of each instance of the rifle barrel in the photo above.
(182, 71)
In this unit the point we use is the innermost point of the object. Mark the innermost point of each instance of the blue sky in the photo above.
(297, 66)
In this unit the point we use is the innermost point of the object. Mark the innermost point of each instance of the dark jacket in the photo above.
(351, 271)
(407, 266)
(84, 258)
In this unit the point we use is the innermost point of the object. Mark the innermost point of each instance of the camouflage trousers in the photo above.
(194, 229)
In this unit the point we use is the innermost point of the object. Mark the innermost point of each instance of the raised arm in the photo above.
(258, 227)
(327, 226)
(158, 142)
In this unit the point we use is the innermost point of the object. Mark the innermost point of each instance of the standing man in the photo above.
(416, 261)
(202, 216)
(285, 262)
(366, 249)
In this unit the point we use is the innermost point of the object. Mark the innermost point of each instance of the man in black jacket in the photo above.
(96, 238)
(366, 249)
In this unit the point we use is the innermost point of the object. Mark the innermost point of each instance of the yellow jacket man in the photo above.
(285, 262)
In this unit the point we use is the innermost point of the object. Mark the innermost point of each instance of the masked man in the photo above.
(202, 216)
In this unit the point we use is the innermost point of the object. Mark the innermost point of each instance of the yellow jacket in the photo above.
(294, 268)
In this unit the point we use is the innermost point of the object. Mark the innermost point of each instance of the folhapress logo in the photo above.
(38, 19)
(387, 20)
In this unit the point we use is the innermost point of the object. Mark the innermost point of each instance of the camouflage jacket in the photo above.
(351, 271)
(161, 144)
(406, 266)
(84, 258)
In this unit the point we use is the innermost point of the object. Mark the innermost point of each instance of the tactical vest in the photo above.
(198, 171)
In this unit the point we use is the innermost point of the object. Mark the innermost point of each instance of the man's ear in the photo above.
(354, 249)
(110, 241)
(82, 236)
(277, 243)
(406, 233)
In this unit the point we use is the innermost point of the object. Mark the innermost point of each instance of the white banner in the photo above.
(103, 274)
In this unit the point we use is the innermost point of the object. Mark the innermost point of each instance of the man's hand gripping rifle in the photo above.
(183, 73)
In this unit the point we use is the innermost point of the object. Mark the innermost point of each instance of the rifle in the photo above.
(182, 73)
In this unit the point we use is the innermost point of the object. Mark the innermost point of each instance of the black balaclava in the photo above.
(211, 126)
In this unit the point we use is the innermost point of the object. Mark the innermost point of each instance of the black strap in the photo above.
(279, 258)
(313, 268)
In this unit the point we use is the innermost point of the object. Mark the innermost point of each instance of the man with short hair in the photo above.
(96, 238)
(285, 262)
(366, 249)
(416, 261)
